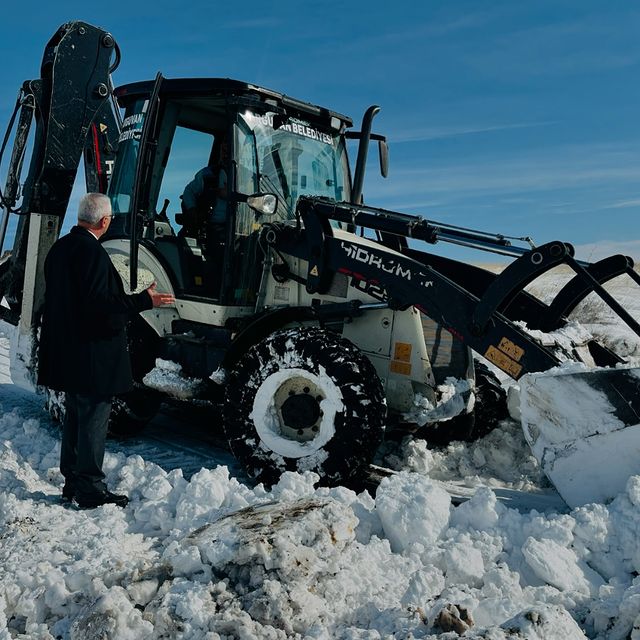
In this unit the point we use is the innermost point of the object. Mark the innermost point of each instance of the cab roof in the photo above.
(228, 88)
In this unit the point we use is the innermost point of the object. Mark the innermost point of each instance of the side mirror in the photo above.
(383, 151)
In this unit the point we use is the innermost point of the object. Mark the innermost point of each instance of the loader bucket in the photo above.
(584, 429)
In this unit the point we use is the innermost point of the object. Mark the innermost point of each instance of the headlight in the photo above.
(265, 203)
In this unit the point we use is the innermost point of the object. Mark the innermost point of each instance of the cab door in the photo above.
(139, 212)
(246, 258)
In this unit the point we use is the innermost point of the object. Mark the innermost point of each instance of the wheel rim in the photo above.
(298, 402)
(294, 411)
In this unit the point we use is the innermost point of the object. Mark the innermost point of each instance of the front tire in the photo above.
(304, 399)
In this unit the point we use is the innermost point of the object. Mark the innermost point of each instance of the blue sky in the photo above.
(514, 117)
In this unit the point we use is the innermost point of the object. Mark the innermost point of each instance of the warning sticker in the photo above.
(511, 349)
(402, 351)
(403, 368)
(503, 361)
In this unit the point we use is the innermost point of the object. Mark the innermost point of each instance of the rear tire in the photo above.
(304, 399)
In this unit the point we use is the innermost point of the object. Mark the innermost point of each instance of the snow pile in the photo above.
(213, 556)
(500, 459)
(561, 341)
(453, 398)
(209, 557)
(412, 511)
(167, 377)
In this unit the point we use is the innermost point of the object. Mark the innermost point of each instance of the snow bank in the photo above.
(208, 557)
(212, 556)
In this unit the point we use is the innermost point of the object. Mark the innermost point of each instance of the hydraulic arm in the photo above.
(481, 314)
(75, 70)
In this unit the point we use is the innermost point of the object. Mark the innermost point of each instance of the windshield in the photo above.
(291, 158)
(121, 185)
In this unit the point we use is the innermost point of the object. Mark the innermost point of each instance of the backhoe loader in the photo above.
(315, 320)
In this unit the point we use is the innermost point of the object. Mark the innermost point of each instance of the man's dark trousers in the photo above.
(84, 432)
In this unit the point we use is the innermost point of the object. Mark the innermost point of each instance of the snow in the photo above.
(207, 556)
(450, 403)
(411, 511)
(167, 377)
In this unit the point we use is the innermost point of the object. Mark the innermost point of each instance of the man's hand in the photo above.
(160, 299)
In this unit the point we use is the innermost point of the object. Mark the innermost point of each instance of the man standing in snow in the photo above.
(83, 346)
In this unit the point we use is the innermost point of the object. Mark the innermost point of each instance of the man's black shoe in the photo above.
(68, 492)
(102, 498)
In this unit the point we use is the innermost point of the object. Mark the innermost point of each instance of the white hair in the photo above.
(93, 207)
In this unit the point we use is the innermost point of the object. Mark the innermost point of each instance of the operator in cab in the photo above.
(204, 199)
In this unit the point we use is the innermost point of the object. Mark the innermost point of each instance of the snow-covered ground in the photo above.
(198, 554)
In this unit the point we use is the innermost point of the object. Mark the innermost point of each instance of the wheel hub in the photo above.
(300, 411)
(298, 404)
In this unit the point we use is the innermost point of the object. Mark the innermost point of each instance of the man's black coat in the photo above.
(83, 342)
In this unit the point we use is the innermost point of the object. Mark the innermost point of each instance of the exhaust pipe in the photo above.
(363, 150)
